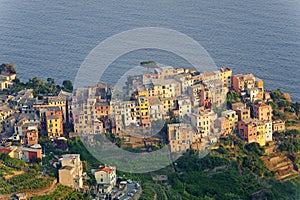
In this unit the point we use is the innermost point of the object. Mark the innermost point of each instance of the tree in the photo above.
(67, 86)
(277, 95)
(50, 81)
(7, 68)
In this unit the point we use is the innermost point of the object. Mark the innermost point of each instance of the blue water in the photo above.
(52, 38)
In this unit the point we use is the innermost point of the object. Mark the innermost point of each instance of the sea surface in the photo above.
(52, 38)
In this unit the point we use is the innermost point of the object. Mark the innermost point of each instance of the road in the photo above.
(130, 188)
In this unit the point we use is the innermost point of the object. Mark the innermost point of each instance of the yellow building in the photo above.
(169, 103)
(232, 118)
(164, 88)
(259, 83)
(226, 76)
(54, 122)
(261, 133)
(59, 101)
(144, 105)
(144, 111)
(278, 126)
(6, 81)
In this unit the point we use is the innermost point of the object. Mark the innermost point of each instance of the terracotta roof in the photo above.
(4, 150)
(105, 169)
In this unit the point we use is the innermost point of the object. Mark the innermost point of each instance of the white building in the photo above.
(184, 107)
(204, 121)
(269, 131)
(156, 109)
(106, 179)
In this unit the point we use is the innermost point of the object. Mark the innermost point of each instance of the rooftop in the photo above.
(105, 169)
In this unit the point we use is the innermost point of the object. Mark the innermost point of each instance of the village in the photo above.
(178, 107)
(193, 104)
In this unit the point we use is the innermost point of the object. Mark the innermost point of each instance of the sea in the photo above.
(52, 38)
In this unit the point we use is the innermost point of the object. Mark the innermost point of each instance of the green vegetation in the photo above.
(63, 193)
(230, 172)
(289, 140)
(7, 69)
(11, 162)
(67, 86)
(282, 108)
(148, 192)
(232, 97)
(148, 63)
(74, 145)
(41, 87)
(27, 181)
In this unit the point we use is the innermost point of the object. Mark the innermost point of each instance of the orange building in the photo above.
(241, 82)
(31, 135)
(247, 130)
(241, 110)
(262, 111)
(102, 109)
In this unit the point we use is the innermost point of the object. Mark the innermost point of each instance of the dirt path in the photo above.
(15, 174)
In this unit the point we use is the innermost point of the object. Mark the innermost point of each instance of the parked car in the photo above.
(130, 194)
(137, 186)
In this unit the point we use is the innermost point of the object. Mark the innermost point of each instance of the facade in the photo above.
(6, 81)
(169, 103)
(253, 130)
(184, 107)
(278, 126)
(262, 111)
(226, 76)
(131, 115)
(144, 112)
(203, 121)
(223, 125)
(26, 128)
(247, 130)
(181, 136)
(5, 113)
(195, 92)
(106, 179)
(70, 173)
(28, 154)
(242, 82)
(57, 101)
(269, 131)
(31, 134)
(53, 119)
(232, 119)
(241, 110)
(155, 109)
(102, 109)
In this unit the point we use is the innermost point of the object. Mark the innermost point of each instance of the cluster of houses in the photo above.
(196, 102)
(24, 118)
(193, 103)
